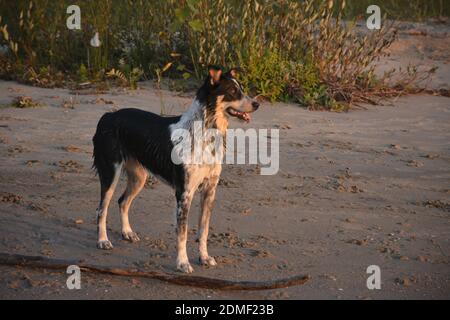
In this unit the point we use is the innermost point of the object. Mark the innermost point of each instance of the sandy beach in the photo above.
(367, 187)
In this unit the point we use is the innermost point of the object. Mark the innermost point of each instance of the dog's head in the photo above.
(226, 97)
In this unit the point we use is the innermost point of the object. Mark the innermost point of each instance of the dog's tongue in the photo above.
(239, 114)
(244, 116)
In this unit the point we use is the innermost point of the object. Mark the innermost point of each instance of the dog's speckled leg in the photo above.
(183, 205)
(207, 202)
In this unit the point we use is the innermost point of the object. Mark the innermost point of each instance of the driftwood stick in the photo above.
(179, 279)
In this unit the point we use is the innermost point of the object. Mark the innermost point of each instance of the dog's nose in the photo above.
(255, 105)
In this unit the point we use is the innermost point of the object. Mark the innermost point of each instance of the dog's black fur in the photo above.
(137, 134)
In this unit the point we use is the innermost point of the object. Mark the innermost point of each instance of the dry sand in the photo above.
(368, 187)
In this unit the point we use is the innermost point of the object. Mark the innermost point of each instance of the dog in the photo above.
(138, 142)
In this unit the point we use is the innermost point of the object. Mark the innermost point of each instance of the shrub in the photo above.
(290, 50)
(264, 72)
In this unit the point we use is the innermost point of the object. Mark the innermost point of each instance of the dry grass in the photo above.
(301, 51)
(25, 102)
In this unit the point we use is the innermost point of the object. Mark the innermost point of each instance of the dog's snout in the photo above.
(255, 105)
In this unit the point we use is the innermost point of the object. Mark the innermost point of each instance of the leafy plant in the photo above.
(83, 75)
(264, 72)
(127, 76)
(117, 74)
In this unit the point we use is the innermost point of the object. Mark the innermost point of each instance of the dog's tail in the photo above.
(106, 143)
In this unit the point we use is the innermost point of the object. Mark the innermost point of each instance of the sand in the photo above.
(368, 187)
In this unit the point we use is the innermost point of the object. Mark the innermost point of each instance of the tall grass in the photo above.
(415, 10)
(289, 50)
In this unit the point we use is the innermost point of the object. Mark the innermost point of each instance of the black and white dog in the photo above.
(138, 142)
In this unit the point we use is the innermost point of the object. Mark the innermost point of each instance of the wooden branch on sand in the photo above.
(179, 279)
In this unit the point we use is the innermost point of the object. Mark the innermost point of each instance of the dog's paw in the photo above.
(208, 261)
(185, 267)
(105, 245)
(130, 236)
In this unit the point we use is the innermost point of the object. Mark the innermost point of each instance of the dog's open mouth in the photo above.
(239, 114)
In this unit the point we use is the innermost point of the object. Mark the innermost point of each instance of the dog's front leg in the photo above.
(207, 201)
(184, 200)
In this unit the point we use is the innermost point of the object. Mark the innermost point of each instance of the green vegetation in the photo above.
(299, 51)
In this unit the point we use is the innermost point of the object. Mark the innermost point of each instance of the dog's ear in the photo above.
(234, 72)
(214, 72)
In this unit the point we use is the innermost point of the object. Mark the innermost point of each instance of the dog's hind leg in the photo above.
(137, 176)
(207, 201)
(108, 181)
(184, 200)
